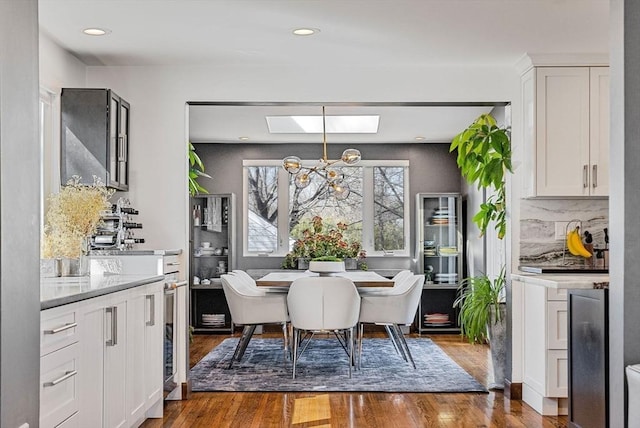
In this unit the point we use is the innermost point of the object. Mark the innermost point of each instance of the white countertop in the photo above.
(64, 290)
(560, 280)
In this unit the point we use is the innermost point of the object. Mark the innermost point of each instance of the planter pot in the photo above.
(326, 268)
(498, 344)
(303, 264)
(350, 264)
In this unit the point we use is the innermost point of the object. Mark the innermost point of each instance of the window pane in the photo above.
(316, 200)
(388, 209)
(262, 228)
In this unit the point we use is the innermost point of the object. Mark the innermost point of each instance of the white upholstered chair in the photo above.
(250, 307)
(245, 277)
(394, 308)
(323, 304)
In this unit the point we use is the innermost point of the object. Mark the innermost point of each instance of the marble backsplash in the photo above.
(538, 217)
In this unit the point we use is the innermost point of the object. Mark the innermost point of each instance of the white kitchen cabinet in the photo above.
(566, 131)
(59, 357)
(121, 357)
(144, 356)
(103, 340)
(544, 348)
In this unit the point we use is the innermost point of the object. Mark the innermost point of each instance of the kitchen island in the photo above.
(539, 309)
(101, 350)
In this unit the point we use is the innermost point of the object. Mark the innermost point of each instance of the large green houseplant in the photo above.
(196, 170)
(484, 158)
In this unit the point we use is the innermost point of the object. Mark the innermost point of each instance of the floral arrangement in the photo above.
(318, 243)
(73, 216)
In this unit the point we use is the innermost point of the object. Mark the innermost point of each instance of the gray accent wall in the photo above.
(431, 169)
(19, 215)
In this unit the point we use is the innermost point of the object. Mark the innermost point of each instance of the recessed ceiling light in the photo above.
(420, 138)
(305, 31)
(96, 31)
(243, 138)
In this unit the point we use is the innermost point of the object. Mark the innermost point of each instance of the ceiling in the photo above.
(258, 33)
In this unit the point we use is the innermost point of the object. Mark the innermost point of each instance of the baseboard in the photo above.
(512, 390)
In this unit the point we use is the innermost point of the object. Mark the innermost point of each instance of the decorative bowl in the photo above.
(326, 267)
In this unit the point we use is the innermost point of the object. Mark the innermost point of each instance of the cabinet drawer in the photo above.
(557, 325)
(58, 328)
(557, 294)
(72, 422)
(171, 264)
(557, 374)
(58, 386)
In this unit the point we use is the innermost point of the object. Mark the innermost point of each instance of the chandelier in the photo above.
(334, 179)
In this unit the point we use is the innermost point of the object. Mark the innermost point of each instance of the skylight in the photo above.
(367, 124)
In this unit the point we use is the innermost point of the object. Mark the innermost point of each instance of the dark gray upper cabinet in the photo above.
(94, 136)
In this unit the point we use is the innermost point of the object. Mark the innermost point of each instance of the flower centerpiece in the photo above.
(322, 243)
(72, 217)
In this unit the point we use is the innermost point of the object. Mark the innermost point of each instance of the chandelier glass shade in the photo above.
(334, 179)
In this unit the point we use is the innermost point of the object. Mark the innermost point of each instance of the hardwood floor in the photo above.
(371, 410)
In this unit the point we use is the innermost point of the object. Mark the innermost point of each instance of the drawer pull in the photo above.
(62, 378)
(173, 264)
(61, 329)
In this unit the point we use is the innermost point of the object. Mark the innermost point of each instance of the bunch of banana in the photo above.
(574, 243)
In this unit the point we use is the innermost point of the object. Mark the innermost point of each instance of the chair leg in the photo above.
(404, 342)
(247, 332)
(350, 334)
(360, 338)
(296, 334)
(285, 330)
(393, 334)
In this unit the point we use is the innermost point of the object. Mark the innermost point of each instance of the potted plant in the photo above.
(482, 317)
(484, 157)
(72, 218)
(321, 242)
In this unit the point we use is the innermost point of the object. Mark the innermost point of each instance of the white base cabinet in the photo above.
(103, 366)
(546, 376)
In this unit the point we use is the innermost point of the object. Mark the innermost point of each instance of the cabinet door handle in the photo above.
(594, 176)
(113, 310)
(62, 378)
(61, 329)
(120, 148)
(585, 178)
(152, 309)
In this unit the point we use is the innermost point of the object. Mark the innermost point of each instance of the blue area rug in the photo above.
(323, 367)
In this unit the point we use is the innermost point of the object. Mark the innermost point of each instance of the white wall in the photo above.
(158, 96)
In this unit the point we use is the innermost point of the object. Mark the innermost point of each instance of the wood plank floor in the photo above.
(371, 410)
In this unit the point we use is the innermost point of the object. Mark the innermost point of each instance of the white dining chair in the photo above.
(250, 307)
(245, 277)
(397, 279)
(330, 304)
(394, 308)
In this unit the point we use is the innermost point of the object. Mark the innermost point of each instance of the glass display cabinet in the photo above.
(439, 259)
(212, 254)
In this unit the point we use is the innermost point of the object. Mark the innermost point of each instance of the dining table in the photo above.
(361, 279)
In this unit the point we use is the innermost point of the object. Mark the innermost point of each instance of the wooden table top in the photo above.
(359, 278)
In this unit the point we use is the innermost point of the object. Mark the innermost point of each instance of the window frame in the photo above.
(282, 246)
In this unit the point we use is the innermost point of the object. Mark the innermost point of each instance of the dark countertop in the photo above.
(60, 291)
(561, 269)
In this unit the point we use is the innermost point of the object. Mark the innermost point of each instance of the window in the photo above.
(277, 211)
